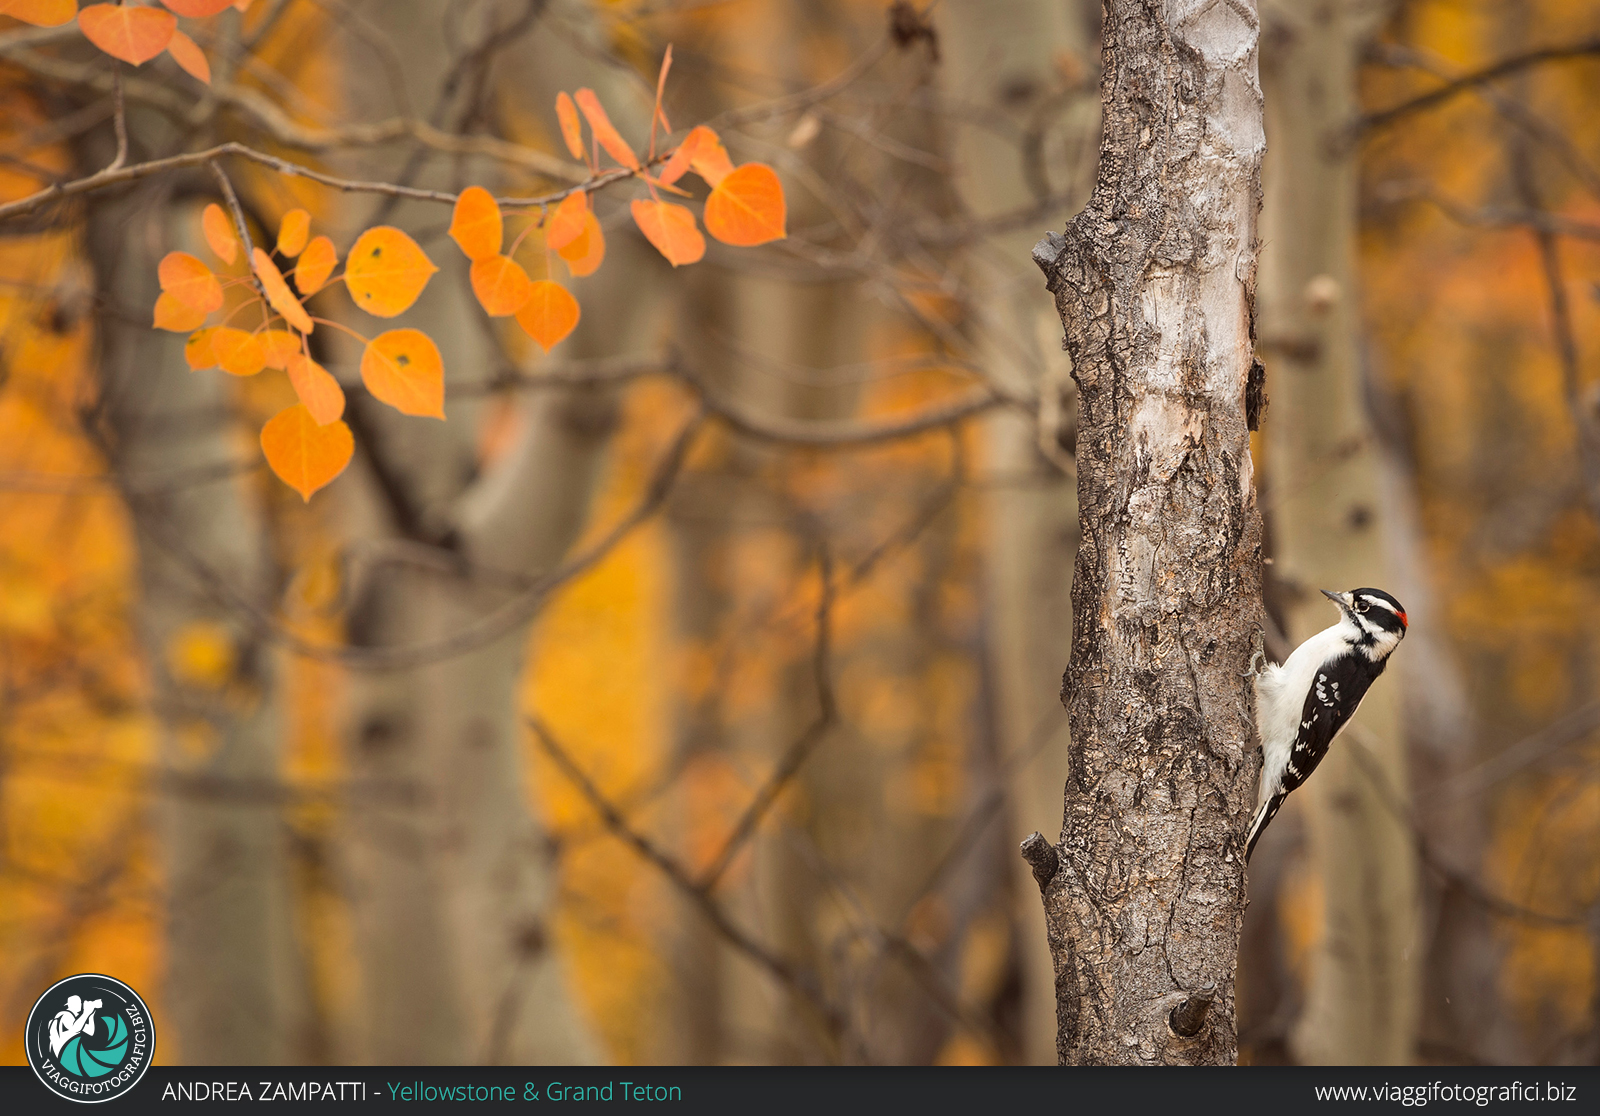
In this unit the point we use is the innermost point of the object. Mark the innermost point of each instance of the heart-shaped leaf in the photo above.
(41, 13)
(238, 352)
(317, 389)
(386, 271)
(178, 316)
(305, 454)
(566, 223)
(476, 225)
(197, 351)
(316, 263)
(403, 368)
(219, 233)
(671, 229)
(747, 207)
(198, 9)
(135, 35)
(500, 284)
(293, 231)
(710, 159)
(280, 347)
(189, 281)
(549, 314)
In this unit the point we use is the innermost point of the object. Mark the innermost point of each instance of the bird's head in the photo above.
(1378, 620)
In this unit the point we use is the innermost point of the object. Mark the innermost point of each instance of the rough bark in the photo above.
(1003, 59)
(235, 987)
(1154, 283)
(1328, 519)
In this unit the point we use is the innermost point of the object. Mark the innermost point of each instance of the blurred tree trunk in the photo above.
(1328, 517)
(455, 883)
(235, 984)
(1006, 60)
(1154, 282)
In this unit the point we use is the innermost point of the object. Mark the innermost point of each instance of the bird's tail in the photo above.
(1258, 824)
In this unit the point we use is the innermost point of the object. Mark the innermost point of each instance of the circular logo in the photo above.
(90, 1038)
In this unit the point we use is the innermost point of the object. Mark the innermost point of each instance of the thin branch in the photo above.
(797, 980)
(1365, 125)
(1562, 733)
(119, 117)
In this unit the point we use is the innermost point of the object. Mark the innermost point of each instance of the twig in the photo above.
(786, 972)
(119, 116)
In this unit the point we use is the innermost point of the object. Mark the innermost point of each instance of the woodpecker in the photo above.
(1303, 704)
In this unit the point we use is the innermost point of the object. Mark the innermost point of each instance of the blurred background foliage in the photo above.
(682, 671)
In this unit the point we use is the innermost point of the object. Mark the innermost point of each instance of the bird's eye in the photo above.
(1360, 605)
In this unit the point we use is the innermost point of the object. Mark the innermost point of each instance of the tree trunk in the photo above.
(235, 986)
(1328, 516)
(1004, 58)
(1154, 282)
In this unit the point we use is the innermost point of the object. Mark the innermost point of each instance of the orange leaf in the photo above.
(238, 352)
(567, 222)
(671, 229)
(198, 9)
(585, 254)
(280, 347)
(549, 314)
(571, 130)
(187, 53)
(403, 368)
(219, 233)
(747, 208)
(476, 225)
(293, 231)
(710, 160)
(278, 292)
(41, 13)
(386, 271)
(316, 264)
(189, 281)
(679, 163)
(135, 35)
(176, 315)
(317, 389)
(197, 350)
(500, 284)
(608, 137)
(304, 454)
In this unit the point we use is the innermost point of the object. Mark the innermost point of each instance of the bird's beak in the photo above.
(1340, 599)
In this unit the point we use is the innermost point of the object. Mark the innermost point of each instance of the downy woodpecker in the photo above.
(1303, 704)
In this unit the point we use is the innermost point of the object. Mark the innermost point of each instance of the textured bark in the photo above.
(1328, 519)
(1154, 282)
(1003, 57)
(235, 987)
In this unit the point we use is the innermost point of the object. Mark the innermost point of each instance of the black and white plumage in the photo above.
(1303, 704)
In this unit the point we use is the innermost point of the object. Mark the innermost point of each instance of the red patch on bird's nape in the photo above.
(1400, 612)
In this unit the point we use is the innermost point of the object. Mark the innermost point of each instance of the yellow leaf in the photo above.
(189, 281)
(500, 284)
(585, 253)
(571, 129)
(566, 223)
(549, 314)
(476, 225)
(293, 231)
(238, 352)
(280, 347)
(197, 351)
(710, 159)
(386, 271)
(317, 389)
(747, 207)
(278, 292)
(219, 233)
(41, 13)
(403, 368)
(315, 265)
(305, 454)
(671, 229)
(604, 131)
(177, 316)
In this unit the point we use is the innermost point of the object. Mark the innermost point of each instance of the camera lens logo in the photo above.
(90, 1038)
